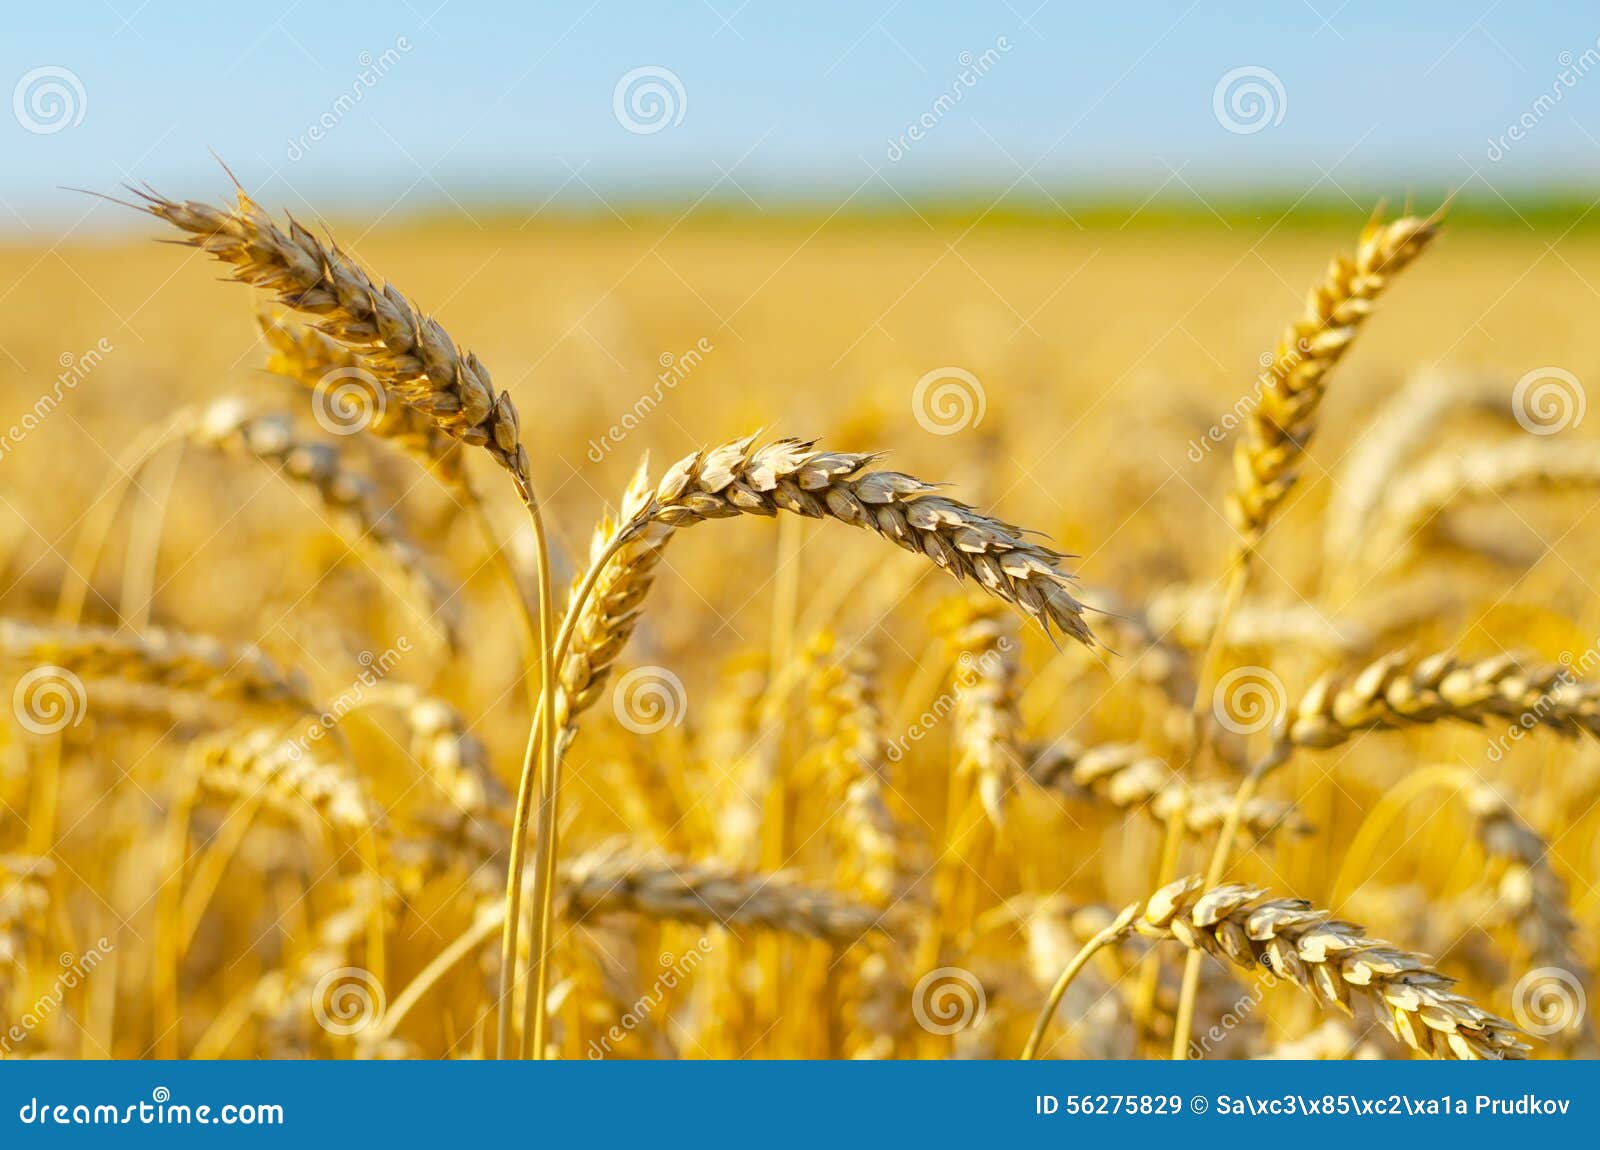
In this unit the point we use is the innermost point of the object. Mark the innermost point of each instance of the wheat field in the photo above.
(360, 708)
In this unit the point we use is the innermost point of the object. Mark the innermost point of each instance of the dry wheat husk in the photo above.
(1290, 390)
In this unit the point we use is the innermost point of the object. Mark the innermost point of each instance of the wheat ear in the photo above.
(1126, 776)
(1335, 962)
(172, 660)
(1397, 690)
(1290, 390)
(1408, 421)
(407, 352)
(416, 360)
(323, 366)
(232, 426)
(845, 730)
(617, 878)
(787, 475)
(1474, 472)
(985, 650)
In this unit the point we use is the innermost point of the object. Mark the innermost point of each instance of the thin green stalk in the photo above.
(1118, 929)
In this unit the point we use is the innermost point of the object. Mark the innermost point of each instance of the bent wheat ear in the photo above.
(315, 361)
(787, 475)
(1291, 389)
(408, 352)
(1398, 691)
(1335, 962)
(160, 658)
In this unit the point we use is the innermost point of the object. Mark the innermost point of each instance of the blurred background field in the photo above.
(1054, 303)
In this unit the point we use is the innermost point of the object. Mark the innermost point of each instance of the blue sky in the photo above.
(493, 101)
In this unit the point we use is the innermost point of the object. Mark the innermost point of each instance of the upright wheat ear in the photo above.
(1290, 391)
